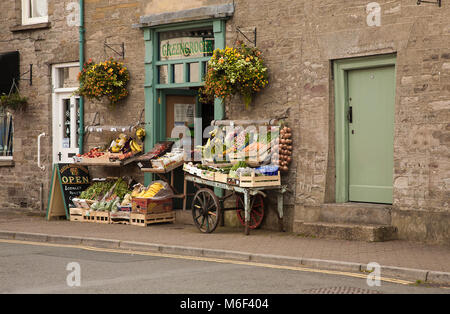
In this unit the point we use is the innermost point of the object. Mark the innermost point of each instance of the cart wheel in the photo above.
(256, 212)
(206, 210)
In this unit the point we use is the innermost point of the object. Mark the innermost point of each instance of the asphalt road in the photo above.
(26, 268)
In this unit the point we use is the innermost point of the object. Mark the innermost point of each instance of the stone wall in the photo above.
(42, 47)
(300, 39)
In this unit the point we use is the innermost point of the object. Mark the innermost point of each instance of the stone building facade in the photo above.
(302, 42)
(42, 45)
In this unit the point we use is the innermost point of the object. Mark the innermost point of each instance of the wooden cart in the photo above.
(207, 207)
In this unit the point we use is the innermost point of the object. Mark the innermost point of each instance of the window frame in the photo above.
(26, 8)
(11, 157)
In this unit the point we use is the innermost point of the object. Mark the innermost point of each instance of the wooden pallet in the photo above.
(76, 214)
(89, 216)
(120, 218)
(259, 181)
(144, 220)
(119, 221)
(101, 217)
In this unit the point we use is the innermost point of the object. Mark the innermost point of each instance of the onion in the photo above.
(289, 147)
(288, 141)
(287, 135)
(288, 159)
(285, 168)
(289, 130)
(283, 141)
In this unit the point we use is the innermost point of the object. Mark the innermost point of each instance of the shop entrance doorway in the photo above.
(181, 109)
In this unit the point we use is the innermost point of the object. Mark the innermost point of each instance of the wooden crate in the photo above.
(101, 217)
(144, 220)
(207, 175)
(88, 216)
(76, 214)
(150, 206)
(259, 181)
(220, 177)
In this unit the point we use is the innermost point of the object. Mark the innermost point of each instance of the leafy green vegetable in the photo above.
(240, 164)
(121, 188)
(97, 190)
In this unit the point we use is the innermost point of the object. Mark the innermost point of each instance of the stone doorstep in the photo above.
(346, 231)
(358, 213)
(400, 272)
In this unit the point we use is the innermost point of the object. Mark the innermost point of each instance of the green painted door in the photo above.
(371, 134)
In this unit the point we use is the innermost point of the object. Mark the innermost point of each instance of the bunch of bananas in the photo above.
(118, 144)
(140, 133)
(135, 147)
(137, 189)
(151, 191)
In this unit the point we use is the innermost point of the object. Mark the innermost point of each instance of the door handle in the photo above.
(350, 114)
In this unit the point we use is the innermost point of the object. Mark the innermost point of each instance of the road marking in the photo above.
(208, 259)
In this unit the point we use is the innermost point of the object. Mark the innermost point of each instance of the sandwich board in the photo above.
(68, 181)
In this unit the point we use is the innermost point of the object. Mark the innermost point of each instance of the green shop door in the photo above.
(370, 118)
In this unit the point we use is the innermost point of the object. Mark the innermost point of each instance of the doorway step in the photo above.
(350, 221)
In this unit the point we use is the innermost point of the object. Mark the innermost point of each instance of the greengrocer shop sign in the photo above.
(182, 48)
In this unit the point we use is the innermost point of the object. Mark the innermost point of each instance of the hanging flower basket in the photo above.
(105, 79)
(13, 101)
(232, 71)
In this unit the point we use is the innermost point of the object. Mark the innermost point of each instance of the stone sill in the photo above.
(21, 28)
(7, 163)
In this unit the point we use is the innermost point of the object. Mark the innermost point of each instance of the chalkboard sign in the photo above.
(68, 181)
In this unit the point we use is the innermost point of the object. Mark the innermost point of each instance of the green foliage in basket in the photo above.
(105, 79)
(13, 101)
(234, 70)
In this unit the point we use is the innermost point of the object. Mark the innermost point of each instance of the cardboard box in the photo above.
(150, 206)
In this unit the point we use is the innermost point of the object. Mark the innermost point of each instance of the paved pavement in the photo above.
(312, 252)
(53, 269)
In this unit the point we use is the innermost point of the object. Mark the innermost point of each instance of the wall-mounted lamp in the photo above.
(438, 2)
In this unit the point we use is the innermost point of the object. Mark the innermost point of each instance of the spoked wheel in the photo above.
(206, 210)
(256, 212)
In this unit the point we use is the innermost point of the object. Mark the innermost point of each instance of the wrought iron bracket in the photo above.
(120, 53)
(438, 2)
(238, 29)
(30, 71)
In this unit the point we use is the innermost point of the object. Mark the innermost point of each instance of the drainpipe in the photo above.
(81, 45)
